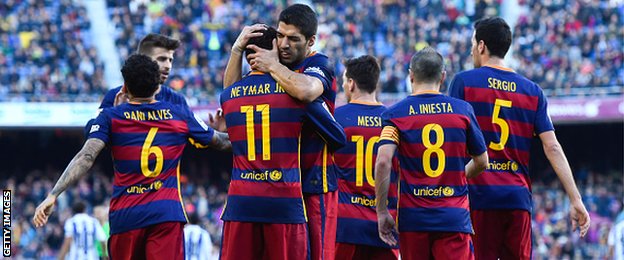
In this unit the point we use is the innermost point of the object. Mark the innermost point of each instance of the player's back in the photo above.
(357, 219)
(434, 133)
(86, 233)
(147, 141)
(510, 110)
(264, 125)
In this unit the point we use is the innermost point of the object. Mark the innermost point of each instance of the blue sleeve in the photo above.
(319, 68)
(326, 126)
(171, 96)
(108, 101)
(100, 128)
(200, 134)
(456, 89)
(474, 137)
(542, 119)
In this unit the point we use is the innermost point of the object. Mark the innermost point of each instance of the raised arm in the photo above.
(559, 162)
(77, 168)
(234, 67)
(326, 126)
(302, 87)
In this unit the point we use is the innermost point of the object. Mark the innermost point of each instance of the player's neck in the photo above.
(494, 61)
(138, 100)
(421, 88)
(363, 97)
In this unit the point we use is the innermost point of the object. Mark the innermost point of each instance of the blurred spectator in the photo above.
(46, 53)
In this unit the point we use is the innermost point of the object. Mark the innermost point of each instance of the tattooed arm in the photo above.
(76, 169)
(221, 141)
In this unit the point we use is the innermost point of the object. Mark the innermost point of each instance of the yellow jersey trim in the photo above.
(390, 133)
(305, 212)
(180, 192)
(325, 188)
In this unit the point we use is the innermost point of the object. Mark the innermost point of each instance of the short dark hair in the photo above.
(265, 41)
(427, 65)
(302, 17)
(496, 35)
(364, 70)
(153, 40)
(193, 218)
(141, 75)
(79, 207)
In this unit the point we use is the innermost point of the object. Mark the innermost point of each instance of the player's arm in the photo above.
(383, 165)
(101, 236)
(560, 164)
(65, 247)
(326, 125)
(300, 86)
(475, 143)
(234, 67)
(77, 168)
(203, 136)
(456, 89)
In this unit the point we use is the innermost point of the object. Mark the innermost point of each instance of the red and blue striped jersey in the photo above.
(265, 126)
(316, 159)
(434, 133)
(357, 218)
(147, 141)
(510, 110)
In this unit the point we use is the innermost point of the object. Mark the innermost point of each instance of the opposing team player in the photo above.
(161, 49)
(510, 110)
(264, 216)
(357, 236)
(197, 241)
(305, 75)
(147, 139)
(82, 235)
(433, 133)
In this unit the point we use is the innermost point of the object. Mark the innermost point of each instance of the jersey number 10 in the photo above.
(364, 159)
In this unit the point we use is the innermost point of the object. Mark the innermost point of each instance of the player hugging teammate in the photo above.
(434, 176)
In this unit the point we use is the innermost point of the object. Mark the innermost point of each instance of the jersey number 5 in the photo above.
(501, 123)
(148, 150)
(251, 136)
(364, 159)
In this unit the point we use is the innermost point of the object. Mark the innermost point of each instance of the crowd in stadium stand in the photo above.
(564, 46)
(552, 234)
(571, 47)
(46, 53)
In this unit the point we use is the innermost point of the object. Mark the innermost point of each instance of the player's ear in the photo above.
(481, 47)
(351, 85)
(124, 89)
(311, 41)
(442, 78)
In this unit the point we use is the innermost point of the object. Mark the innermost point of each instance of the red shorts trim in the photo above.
(322, 210)
(436, 245)
(160, 241)
(504, 234)
(246, 240)
(346, 251)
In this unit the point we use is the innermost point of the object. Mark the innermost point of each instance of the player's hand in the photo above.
(217, 121)
(247, 33)
(121, 98)
(43, 211)
(579, 217)
(263, 59)
(387, 228)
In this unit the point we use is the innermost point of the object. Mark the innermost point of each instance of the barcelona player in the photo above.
(147, 139)
(433, 133)
(357, 236)
(305, 75)
(161, 49)
(264, 216)
(510, 110)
